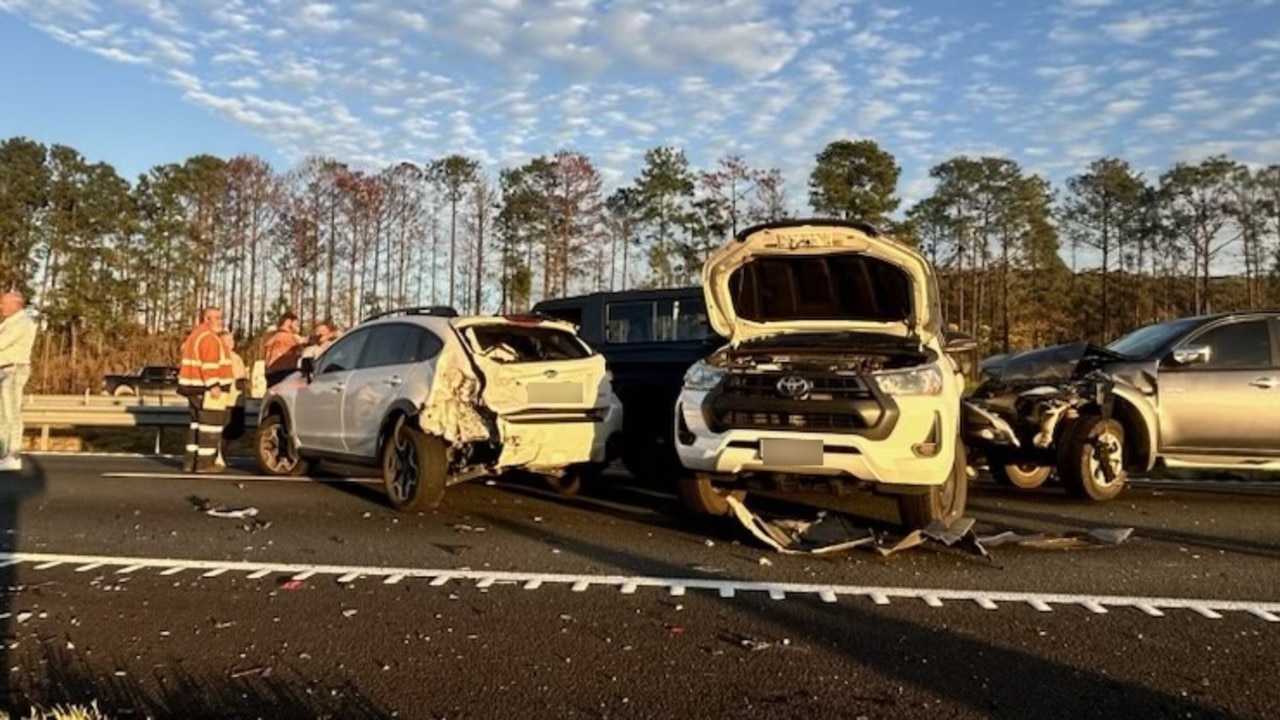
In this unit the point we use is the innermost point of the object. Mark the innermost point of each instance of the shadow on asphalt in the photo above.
(50, 675)
(1234, 545)
(992, 681)
(69, 678)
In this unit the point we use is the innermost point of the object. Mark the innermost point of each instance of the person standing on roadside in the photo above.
(234, 429)
(283, 349)
(205, 379)
(17, 337)
(321, 338)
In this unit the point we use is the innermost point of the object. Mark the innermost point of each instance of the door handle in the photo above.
(393, 382)
(339, 387)
(1266, 383)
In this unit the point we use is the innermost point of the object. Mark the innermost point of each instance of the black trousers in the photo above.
(206, 435)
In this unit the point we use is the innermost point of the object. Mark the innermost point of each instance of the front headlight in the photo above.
(923, 380)
(701, 376)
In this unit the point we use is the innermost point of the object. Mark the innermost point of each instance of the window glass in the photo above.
(629, 322)
(387, 345)
(424, 346)
(344, 353)
(1238, 345)
(660, 321)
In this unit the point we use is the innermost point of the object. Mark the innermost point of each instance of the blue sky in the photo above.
(1052, 84)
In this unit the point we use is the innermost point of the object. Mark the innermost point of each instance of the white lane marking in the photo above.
(628, 584)
(241, 478)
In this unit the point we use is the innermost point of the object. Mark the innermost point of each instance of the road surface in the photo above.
(510, 601)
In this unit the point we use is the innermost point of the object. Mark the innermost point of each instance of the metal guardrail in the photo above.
(149, 410)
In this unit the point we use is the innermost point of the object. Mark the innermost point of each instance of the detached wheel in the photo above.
(701, 497)
(415, 468)
(1027, 476)
(944, 503)
(274, 450)
(1094, 450)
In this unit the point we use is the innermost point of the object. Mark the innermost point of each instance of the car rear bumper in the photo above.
(551, 442)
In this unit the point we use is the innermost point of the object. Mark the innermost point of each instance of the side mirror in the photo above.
(1188, 355)
(960, 343)
(308, 367)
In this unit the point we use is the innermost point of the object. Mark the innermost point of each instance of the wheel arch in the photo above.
(1135, 415)
(399, 409)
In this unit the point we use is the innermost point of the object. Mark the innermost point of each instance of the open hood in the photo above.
(818, 276)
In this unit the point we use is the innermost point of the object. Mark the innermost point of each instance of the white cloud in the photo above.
(1137, 27)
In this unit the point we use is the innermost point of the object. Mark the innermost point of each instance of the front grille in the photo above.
(825, 387)
(817, 421)
(832, 403)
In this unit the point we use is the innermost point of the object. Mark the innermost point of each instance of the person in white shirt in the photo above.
(321, 338)
(17, 337)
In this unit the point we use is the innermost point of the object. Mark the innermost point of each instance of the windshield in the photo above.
(1142, 342)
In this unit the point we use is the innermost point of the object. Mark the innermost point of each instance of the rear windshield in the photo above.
(827, 287)
(526, 343)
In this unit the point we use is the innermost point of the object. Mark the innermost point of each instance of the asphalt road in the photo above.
(577, 607)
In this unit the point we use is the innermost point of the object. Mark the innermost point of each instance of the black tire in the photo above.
(571, 482)
(942, 503)
(274, 451)
(702, 498)
(1080, 460)
(415, 468)
(1026, 476)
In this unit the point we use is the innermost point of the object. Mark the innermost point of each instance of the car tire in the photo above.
(1025, 476)
(1080, 461)
(571, 481)
(415, 468)
(943, 503)
(702, 498)
(274, 449)
(124, 391)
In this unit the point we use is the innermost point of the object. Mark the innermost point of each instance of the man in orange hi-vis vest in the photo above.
(205, 378)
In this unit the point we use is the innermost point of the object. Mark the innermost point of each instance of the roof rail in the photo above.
(436, 310)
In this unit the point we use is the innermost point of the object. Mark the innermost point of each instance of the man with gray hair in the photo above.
(17, 337)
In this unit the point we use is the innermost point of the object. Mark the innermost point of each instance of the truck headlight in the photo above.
(923, 380)
(701, 376)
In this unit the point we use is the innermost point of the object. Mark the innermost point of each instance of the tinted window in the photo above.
(1238, 345)
(424, 345)
(827, 287)
(657, 321)
(344, 353)
(387, 345)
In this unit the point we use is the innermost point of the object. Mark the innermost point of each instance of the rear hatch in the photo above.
(815, 277)
(534, 367)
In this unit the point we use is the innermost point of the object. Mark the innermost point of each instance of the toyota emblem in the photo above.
(794, 387)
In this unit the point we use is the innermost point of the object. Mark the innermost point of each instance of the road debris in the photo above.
(832, 532)
(260, 671)
(291, 584)
(349, 612)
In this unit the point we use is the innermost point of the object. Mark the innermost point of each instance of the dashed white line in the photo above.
(987, 599)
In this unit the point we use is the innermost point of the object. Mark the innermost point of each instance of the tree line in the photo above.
(117, 269)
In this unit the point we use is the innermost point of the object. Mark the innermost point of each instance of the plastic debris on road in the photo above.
(829, 533)
(832, 532)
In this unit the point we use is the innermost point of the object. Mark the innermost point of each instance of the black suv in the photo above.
(649, 339)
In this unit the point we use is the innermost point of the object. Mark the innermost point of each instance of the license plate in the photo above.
(785, 451)
(554, 393)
